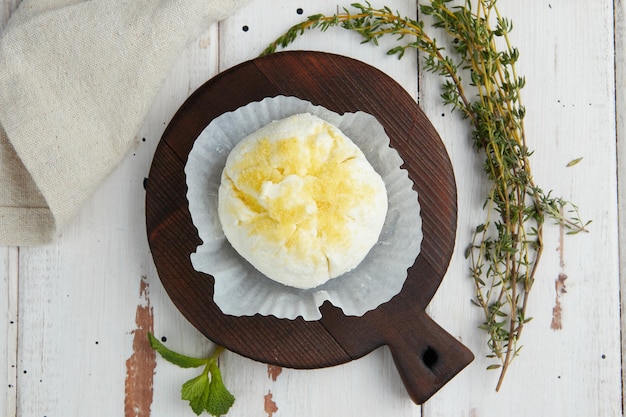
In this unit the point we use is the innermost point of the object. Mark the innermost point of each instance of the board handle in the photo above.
(426, 357)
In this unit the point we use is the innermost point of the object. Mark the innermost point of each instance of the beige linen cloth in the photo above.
(76, 80)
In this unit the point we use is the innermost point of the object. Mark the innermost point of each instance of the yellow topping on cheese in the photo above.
(297, 194)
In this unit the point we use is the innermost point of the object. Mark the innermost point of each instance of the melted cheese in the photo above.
(300, 202)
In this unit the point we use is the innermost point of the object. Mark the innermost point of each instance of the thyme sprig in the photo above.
(506, 248)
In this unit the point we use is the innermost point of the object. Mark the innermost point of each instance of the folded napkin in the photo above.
(76, 80)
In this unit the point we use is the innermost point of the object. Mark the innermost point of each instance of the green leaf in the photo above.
(574, 162)
(173, 357)
(197, 391)
(220, 399)
(207, 392)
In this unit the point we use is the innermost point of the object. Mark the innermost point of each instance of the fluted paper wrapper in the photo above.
(240, 290)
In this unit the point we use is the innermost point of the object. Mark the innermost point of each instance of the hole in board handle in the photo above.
(430, 357)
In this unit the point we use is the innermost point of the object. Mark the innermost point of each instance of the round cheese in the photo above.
(300, 202)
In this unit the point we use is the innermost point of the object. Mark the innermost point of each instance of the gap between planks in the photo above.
(11, 390)
(619, 16)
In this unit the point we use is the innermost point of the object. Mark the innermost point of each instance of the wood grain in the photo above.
(342, 85)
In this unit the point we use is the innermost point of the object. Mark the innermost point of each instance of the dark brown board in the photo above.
(425, 355)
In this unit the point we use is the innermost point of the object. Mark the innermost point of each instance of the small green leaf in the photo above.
(574, 162)
(196, 391)
(173, 357)
(220, 399)
(494, 366)
(207, 392)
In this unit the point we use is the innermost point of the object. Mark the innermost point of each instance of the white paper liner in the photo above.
(240, 290)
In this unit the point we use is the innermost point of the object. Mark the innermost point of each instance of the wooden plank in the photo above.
(78, 300)
(367, 387)
(89, 298)
(196, 64)
(8, 328)
(9, 298)
(620, 114)
(569, 97)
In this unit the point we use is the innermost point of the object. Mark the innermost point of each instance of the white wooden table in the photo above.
(73, 314)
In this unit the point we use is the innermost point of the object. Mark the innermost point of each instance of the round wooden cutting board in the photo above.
(425, 355)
